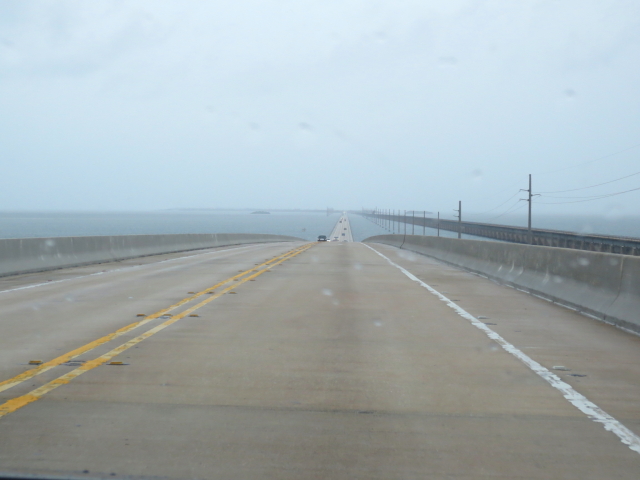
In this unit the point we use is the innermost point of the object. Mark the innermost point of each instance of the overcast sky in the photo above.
(143, 105)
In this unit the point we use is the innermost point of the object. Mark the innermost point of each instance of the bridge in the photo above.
(538, 236)
(269, 357)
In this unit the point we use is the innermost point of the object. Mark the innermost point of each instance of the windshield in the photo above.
(262, 239)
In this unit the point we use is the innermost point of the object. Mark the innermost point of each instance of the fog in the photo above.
(145, 105)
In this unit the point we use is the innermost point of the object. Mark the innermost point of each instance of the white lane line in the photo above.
(578, 400)
(123, 268)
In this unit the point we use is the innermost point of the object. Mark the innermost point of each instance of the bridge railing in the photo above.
(601, 285)
(548, 238)
(27, 255)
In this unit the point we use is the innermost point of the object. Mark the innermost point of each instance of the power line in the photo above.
(511, 186)
(588, 162)
(563, 191)
(596, 185)
(586, 196)
(588, 199)
(506, 211)
(510, 209)
(518, 207)
(494, 208)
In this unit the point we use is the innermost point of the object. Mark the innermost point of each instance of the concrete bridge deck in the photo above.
(342, 230)
(326, 362)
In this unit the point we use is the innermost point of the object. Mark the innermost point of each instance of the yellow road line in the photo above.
(46, 366)
(14, 404)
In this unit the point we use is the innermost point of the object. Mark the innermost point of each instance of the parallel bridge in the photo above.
(548, 238)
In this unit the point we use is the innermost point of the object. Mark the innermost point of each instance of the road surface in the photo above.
(342, 230)
(331, 363)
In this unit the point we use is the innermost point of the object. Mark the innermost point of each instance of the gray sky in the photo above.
(134, 105)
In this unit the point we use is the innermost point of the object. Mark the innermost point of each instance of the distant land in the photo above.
(267, 210)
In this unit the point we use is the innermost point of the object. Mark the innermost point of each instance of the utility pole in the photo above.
(459, 216)
(438, 223)
(531, 195)
(413, 222)
(404, 218)
(424, 222)
(529, 221)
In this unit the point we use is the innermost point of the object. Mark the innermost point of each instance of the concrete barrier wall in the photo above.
(604, 285)
(26, 255)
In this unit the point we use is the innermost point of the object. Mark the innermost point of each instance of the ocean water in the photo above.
(305, 225)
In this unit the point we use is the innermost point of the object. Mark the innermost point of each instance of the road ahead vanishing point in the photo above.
(336, 360)
(342, 230)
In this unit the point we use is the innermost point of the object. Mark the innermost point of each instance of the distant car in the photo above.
(335, 238)
(322, 238)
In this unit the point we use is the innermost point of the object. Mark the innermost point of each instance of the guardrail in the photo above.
(27, 255)
(541, 237)
(603, 285)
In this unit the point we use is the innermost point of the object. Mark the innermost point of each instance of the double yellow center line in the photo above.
(23, 400)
